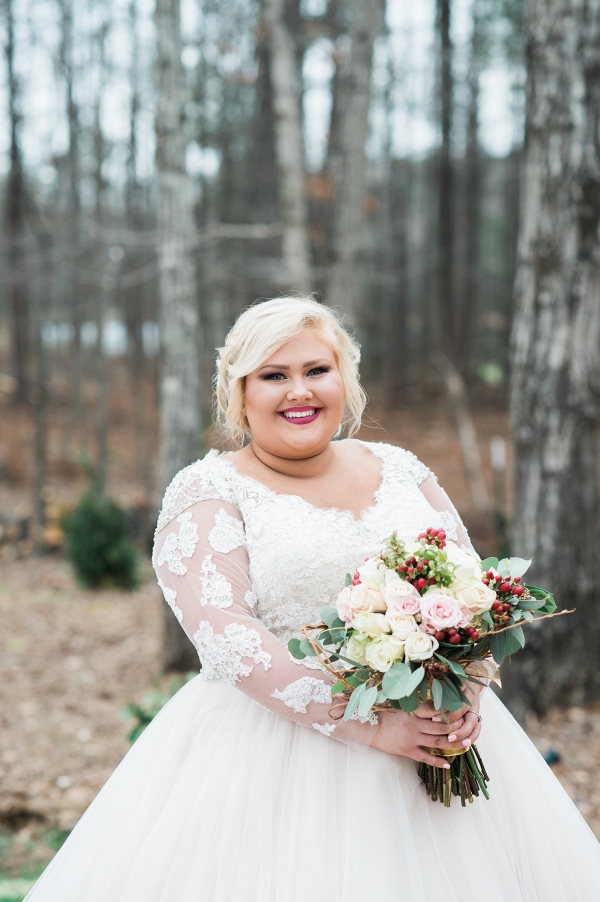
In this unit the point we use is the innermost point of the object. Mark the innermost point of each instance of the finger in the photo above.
(425, 710)
(451, 716)
(437, 729)
(433, 760)
(444, 742)
(470, 722)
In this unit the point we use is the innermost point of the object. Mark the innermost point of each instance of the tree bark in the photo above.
(445, 268)
(367, 22)
(556, 353)
(15, 221)
(289, 146)
(180, 385)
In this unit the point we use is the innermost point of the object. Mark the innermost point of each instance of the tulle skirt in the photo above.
(222, 801)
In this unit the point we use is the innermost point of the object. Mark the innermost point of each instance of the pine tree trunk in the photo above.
(445, 268)
(180, 384)
(555, 354)
(15, 221)
(354, 91)
(289, 146)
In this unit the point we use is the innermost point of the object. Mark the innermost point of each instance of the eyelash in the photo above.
(316, 369)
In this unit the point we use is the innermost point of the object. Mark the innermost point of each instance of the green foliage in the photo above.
(97, 542)
(146, 711)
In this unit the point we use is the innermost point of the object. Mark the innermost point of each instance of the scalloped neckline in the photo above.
(364, 514)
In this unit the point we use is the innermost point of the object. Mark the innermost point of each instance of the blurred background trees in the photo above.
(165, 164)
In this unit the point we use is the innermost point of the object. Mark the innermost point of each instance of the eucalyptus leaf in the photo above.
(514, 640)
(295, 650)
(489, 563)
(354, 701)
(328, 614)
(410, 703)
(453, 665)
(367, 700)
(497, 645)
(395, 681)
(307, 648)
(514, 566)
(436, 694)
(381, 697)
(338, 688)
(450, 699)
(348, 580)
(414, 680)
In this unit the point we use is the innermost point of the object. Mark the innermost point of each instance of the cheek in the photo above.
(332, 391)
(261, 397)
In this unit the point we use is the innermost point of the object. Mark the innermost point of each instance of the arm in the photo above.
(203, 570)
(440, 501)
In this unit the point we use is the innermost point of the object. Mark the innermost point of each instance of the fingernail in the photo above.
(452, 737)
(466, 743)
(436, 719)
(446, 767)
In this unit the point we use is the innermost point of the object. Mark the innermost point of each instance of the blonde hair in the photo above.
(261, 330)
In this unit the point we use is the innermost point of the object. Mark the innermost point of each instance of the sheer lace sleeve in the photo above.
(440, 501)
(203, 570)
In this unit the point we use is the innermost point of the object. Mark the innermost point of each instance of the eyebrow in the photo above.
(285, 366)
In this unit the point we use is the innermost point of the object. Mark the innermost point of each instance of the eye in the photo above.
(274, 377)
(318, 370)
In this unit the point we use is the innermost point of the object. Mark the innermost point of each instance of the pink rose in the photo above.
(440, 612)
(466, 617)
(343, 605)
(405, 606)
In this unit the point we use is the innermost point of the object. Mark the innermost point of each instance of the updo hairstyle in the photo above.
(261, 330)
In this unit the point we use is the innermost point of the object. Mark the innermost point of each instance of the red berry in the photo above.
(402, 568)
(518, 590)
(440, 635)
(490, 574)
(506, 606)
(486, 582)
(431, 581)
(454, 640)
(504, 587)
(441, 534)
(496, 605)
(419, 566)
(475, 636)
(516, 579)
(422, 535)
(421, 583)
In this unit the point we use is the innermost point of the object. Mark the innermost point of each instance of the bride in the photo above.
(243, 788)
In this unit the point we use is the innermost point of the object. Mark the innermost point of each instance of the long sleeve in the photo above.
(440, 501)
(203, 570)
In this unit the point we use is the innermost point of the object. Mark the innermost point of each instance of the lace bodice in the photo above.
(244, 568)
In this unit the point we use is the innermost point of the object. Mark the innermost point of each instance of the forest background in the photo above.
(432, 169)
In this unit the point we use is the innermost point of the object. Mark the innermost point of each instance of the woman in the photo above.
(259, 795)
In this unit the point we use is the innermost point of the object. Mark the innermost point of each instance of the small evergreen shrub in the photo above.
(97, 542)
(146, 711)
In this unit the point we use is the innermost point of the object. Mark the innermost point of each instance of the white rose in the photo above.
(355, 647)
(477, 597)
(433, 590)
(467, 567)
(401, 625)
(373, 625)
(366, 598)
(382, 653)
(420, 646)
(372, 572)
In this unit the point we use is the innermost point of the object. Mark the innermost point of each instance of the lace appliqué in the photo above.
(171, 599)
(227, 533)
(299, 694)
(221, 655)
(215, 588)
(178, 546)
(250, 598)
(366, 718)
(325, 728)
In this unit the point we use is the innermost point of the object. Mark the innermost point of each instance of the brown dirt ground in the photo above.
(70, 660)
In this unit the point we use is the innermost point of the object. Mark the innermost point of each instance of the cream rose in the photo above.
(477, 597)
(440, 612)
(355, 647)
(420, 646)
(401, 625)
(398, 590)
(372, 572)
(382, 653)
(373, 625)
(366, 598)
(467, 568)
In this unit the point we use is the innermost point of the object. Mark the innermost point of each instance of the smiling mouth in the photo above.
(300, 415)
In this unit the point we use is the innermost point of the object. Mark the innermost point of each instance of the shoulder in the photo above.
(403, 462)
(204, 480)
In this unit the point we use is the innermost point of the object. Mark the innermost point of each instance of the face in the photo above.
(295, 400)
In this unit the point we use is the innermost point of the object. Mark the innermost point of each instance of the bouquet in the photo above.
(417, 622)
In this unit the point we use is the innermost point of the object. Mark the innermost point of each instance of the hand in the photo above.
(400, 733)
(470, 728)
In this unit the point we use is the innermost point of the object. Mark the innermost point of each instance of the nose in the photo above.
(299, 390)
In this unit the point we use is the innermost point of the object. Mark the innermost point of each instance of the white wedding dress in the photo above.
(243, 788)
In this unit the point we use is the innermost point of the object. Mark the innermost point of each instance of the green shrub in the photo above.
(146, 711)
(97, 541)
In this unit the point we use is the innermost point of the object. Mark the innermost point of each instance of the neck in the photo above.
(301, 467)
